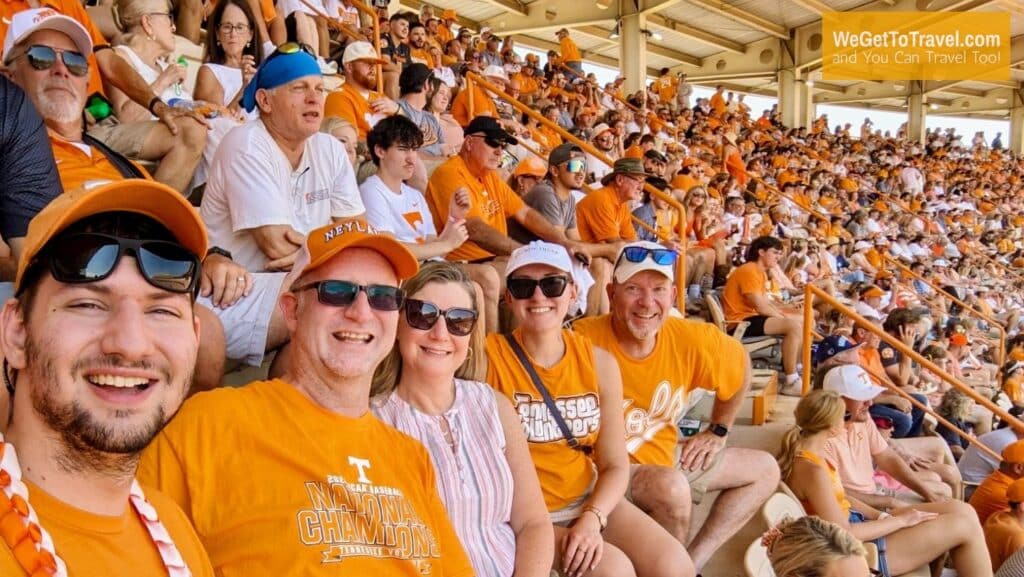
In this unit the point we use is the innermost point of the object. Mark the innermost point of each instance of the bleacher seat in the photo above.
(764, 351)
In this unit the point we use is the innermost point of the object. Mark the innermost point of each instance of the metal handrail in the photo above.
(811, 292)
(940, 292)
(472, 77)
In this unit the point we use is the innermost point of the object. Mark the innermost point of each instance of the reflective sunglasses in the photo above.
(423, 315)
(292, 48)
(661, 256)
(342, 293)
(92, 257)
(523, 288)
(44, 57)
(576, 165)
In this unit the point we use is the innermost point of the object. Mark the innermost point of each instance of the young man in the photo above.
(663, 360)
(1004, 531)
(99, 354)
(295, 476)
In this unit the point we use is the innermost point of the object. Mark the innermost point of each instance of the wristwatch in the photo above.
(218, 250)
(718, 430)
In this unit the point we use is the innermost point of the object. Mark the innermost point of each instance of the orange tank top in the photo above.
(837, 485)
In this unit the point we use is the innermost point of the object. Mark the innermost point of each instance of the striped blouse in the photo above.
(474, 479)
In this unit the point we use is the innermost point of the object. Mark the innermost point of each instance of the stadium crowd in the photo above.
(467, 321)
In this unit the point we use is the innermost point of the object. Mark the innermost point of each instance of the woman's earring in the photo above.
(248, 44)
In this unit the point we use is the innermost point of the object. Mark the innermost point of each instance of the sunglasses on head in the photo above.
(44, 57)
(523, 288)
(423, 315)
(342, 293)
(576, 165)
(92, 257)
(661, 256)
(292, 48)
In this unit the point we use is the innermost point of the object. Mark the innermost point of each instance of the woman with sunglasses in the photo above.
(907, 538)
(578, 447)
(428, 388)
(232, 56)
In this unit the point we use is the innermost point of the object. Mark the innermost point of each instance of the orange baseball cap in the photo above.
(1015, 492)
(325, 242)
(531, 166)
(1014, 452)
(872, 292)
(448, 14)
(147, 197)
(882, 273)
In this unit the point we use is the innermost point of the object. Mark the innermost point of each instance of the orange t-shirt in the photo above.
(349, 103)
(748, 279)
(656, 389)
(483, 105)
(565, 473)
(718, 104)
(76, 11)
(665, 86)
(492, 202)
(527, 84)
(833, 477)
(93, 544)
(990, 496)
(871, 360)
(275, 484)
(1004, 536)
(569, 51)
(422, 56)
(601, 217)
(633, 152)
(76, 168)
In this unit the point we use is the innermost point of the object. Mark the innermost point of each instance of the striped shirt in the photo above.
(1012, 567)
(474, 478)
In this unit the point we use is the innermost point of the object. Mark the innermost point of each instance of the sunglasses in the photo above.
(491, 141)
(423, 315)
(342, 293)
(523, 288)
(44, 57)
(292, 48)
(661, 256)
(92, 257)
(576, 165)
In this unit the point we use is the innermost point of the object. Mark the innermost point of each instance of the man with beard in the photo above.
(663, 361)
(604, 141)
(296, 476)
(68, 85)
(357, 101)
(418, 48)
(59, 95)
(98, 355)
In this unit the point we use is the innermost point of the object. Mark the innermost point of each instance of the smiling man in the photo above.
(275, 179)
(100, 342)
(295, 476)
(663, 361)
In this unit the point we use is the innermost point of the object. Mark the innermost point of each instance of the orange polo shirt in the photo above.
(483, 105)
(76, 167)
(570, 52)
(76, 11)
(349, 103)
(492, 202)
(601, 217)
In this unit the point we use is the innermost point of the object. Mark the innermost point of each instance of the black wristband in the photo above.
(218, 250)
(152, 103)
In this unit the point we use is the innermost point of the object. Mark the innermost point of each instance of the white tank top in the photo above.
(231, 82)
(150, 74)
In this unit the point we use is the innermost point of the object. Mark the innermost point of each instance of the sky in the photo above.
(883, 120)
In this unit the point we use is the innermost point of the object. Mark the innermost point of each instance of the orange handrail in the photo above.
(472, 77)
(812, 292)
(940, 292)
(1001, 265)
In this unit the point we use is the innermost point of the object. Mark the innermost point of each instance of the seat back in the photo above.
(716, 312)
(780, 507)
(756, 562)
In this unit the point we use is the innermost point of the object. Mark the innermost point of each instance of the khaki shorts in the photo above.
(699, 480)
(126, 138)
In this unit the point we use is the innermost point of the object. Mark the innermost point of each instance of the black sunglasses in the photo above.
(44, 57)
(92, 257)
(661, 256)
(523, 288)
(491, 141)
(423, 315)
(342, 293)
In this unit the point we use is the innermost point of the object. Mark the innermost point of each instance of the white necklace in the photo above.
(31, 543)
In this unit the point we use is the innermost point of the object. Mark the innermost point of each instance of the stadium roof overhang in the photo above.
(743, 44)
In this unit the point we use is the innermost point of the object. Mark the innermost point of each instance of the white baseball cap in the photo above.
(361, 51)
(626, 269)
(861, 245)
(540, 252)
(600, 129)
(852, 382)
(496, 72)
(27, 22)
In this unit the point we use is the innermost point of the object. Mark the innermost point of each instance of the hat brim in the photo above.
(146, 197)
(371, 59)
(499, 135)
(401, 259)
(608, 177)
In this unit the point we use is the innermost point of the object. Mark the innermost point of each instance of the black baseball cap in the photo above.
(490, 128)
(562, 153)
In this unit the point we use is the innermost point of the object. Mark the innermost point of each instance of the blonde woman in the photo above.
(148, 40)
(580, 454)
(345, 133)
(813, 547)
(428, 388)
(907, 538)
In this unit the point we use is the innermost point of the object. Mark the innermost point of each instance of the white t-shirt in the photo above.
(252, 184)
(405, 215)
